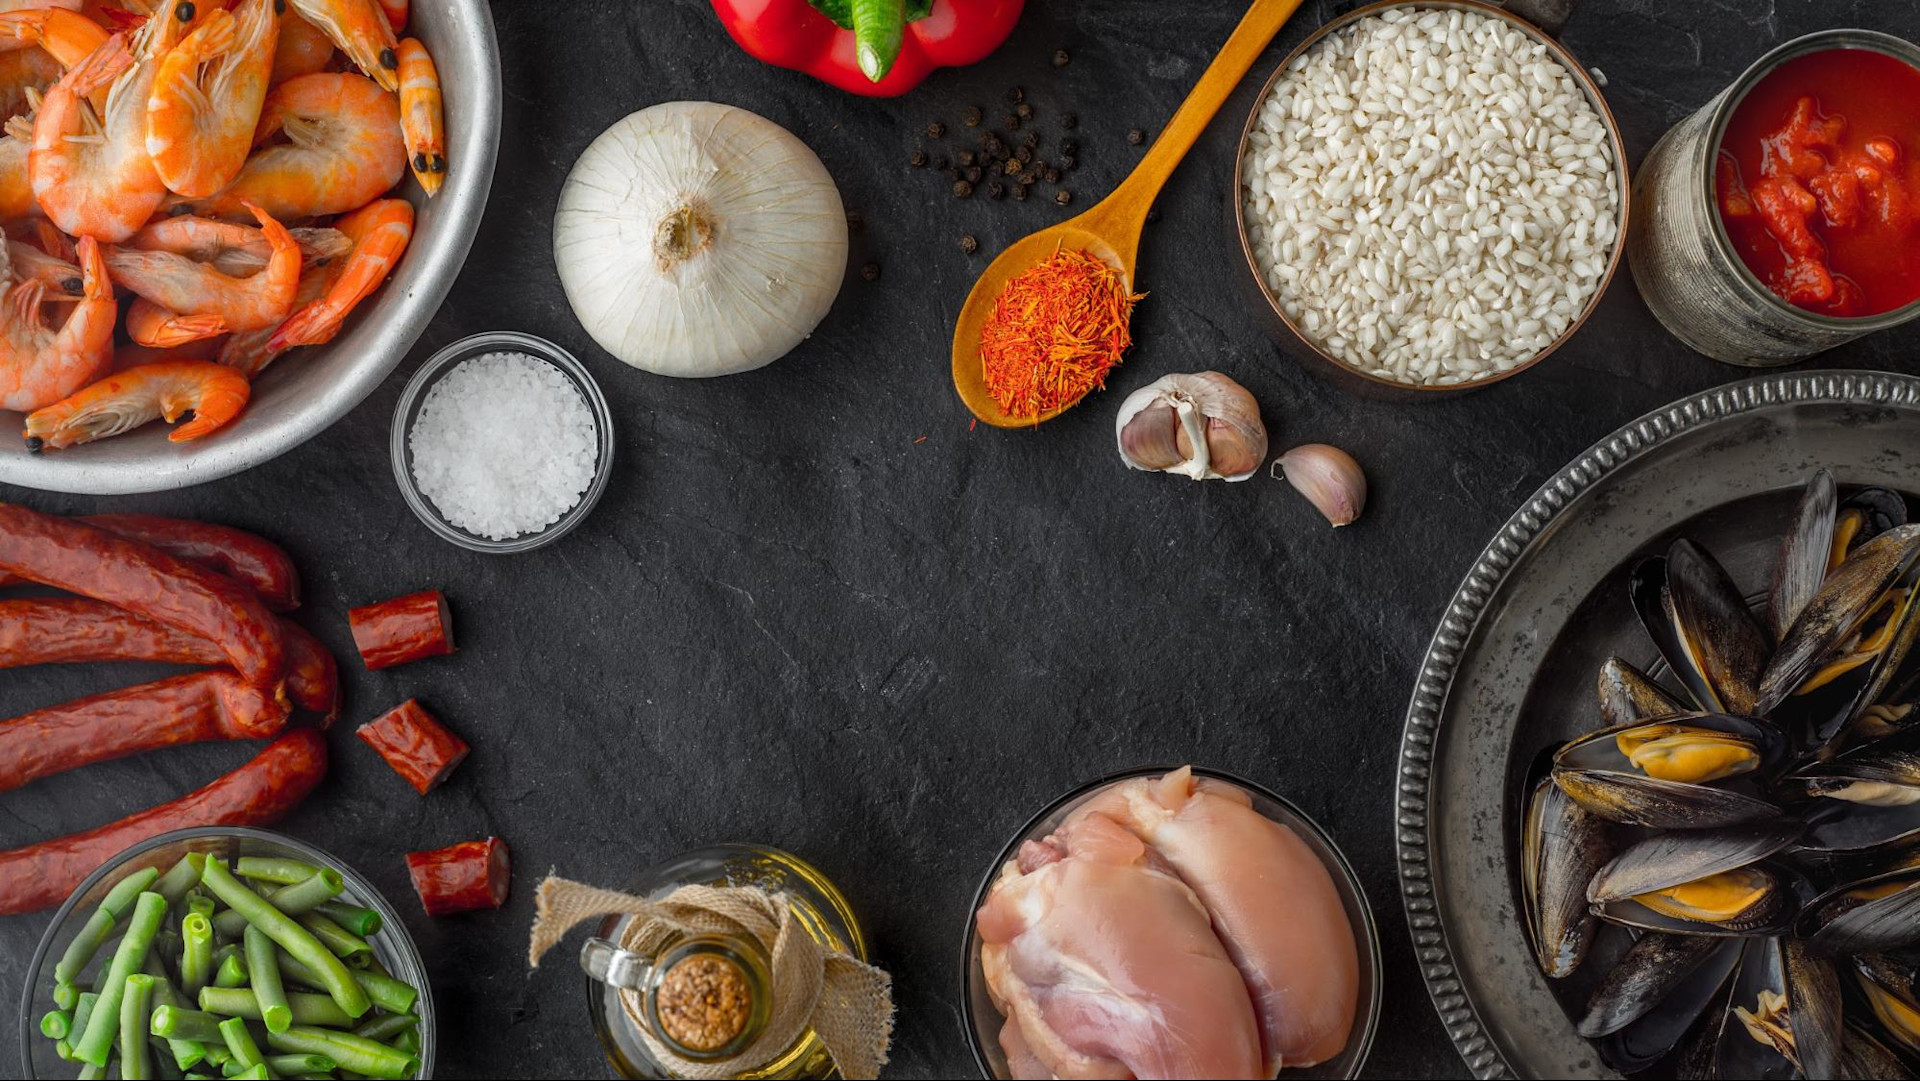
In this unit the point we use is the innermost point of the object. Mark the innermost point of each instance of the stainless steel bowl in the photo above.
(300, 396)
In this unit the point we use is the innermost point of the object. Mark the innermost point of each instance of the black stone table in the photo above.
(816, 610)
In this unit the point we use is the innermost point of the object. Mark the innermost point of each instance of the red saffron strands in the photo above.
(1056, 330)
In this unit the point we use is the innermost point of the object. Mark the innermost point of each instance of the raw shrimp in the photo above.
(93, 175)
(303, 49)
(168, 390)
(360, 30)
(250, 352)
(207, 96)
(380, 232)
(421, 124)
(181, 285)
(231, 248)
(39, 365)
(344, 151)
(150, 324)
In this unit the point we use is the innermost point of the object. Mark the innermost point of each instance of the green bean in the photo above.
(100, 923)
(200, 903)
(386, 1026)
(274, 869)
(232, 971)
(180, 878)
(263, 971)
(64, 1049)
(345, 945)
(292, 937)
(196, 952)
(361, 1056)
(408, 1041)
(186, 1054)
(384, 991)
(65, 994)
(302, 896)
(166, 944)
(163, 1064)
(364, 922)
(96, 1044)
(299, 1064)
(136, 1005)
(182, 1023)
(56, 1024)
(82, 1010)
(240, 1042)
(303, 1008)
(90, 1072)
(217, 1053)
(258, 1070)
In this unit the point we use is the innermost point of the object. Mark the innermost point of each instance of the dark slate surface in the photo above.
(795, 620)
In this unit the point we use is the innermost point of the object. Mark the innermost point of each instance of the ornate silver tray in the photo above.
(1512, 666)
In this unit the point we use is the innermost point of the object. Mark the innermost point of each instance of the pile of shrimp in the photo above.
(225, 167)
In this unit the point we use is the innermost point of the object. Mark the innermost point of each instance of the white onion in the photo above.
(696, 239)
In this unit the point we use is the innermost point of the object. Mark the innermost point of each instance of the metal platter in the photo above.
(1511, 668)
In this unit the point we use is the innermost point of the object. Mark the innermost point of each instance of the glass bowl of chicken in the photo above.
(1171, 923)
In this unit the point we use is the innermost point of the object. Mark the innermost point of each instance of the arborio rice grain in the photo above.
(1430, 196)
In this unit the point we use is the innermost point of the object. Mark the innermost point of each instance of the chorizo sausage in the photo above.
(403, 629)
(134, 575)
(259, 793)
(418, 747)
(233, 552)
(461, 878)
(215, 704)
(313, 679)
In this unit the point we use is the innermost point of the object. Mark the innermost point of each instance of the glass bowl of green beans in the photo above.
(226, 952)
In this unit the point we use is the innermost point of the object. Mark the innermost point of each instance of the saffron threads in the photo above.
(1057, 329)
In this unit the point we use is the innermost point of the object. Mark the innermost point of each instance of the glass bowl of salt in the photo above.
(502, 442)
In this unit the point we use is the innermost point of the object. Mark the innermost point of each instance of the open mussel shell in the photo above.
(1865, 1058)
(1850, 595)
(1872, 915)
(1784, 1015)
(1627, 694)
(1562, 846)
(1671, 859)
(1888, 990)
(1805, 552)
(1883, 773)
(1757, 899)
(1661, 990)
(1700, 621)
(1662, 772)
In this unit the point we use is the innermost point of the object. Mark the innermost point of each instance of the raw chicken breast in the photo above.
(1106, 965)
(1271, 899)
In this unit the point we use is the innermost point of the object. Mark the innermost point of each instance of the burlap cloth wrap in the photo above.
(849, 1003)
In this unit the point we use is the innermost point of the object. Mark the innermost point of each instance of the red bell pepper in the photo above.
(852, 43)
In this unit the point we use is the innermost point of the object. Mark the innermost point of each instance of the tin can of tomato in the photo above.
(1684, 261)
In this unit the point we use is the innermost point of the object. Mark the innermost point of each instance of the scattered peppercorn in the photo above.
(996, 190)
(1032, 141)
(1023, 155)
(936, 129)
(993, 145)
(1063, 197)
(1012, 167)
(1069, 122)
(972, 174)
(1050, 175)
(965, 158)
(1135, 136)
(1013, 122)
(1019, 193)
(971, 117)
(871, 272)
(1060, 58)
(1023, 111)
(1015, 95)
(917, 159)
(1066, 162)
(1028, 177)
(962, 189)
(969, 245)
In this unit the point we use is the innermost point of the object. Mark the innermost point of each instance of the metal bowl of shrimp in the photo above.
(191, 191)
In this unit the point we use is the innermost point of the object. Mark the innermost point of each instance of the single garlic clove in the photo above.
(1201, 425)
(1330, 479)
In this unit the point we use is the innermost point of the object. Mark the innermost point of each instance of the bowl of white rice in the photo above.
(502, 442)
(1432, 195)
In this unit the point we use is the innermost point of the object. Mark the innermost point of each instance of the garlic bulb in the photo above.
(1202, 425)
(1330, 479)
(696, 239)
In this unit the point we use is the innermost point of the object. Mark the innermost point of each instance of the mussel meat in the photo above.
(1889, 994)
(1785, 1014)
(1670, 860)
(1883, 773)
(1746, 901)
(1660, 773)
(1563, 845)
(1828, 627)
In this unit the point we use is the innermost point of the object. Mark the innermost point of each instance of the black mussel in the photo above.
(1662, 772)
(1784, 1014)
(1758, 899)
(1882, 773)
(1872, 915)
(1862, 516)
(1665, 860)
(1562, 846)
(1887, 988)
(1703, 627)
(1648, 975)
(1864, 1058)
(1687, 1016)
(1627, 694)
(1864, 829)
(1823, 642)
(1805, 552)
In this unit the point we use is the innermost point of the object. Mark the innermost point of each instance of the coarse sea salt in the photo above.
(503, 445)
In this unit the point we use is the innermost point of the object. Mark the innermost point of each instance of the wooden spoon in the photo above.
(1111, 229)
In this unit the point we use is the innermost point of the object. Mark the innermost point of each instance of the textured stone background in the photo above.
(790, 622)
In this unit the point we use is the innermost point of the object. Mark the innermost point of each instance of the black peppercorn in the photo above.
(993, 146)
(1063, 197)
(1023, 155)
(965, 158)
(1019, 193)
(1050, 175)
(1013, 122)
(1069, 122)
(1012, 167)
(996, 190)
(1135, 136)
(969, 245)
(1060, 58)
(1028, 177)
(1066, 162)
(917, 159)
(936, 129)
(962, 189)
(871, 272)
(972, 174)
(1032, 141)
(971, 117)
(1015, 95)
(1023, 111)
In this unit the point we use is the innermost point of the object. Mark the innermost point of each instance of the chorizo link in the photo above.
(214, 704)
(233, 552)
(259, 793)
(402, 629)
(134, 575)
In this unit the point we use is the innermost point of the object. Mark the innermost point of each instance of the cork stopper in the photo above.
(704, 1002)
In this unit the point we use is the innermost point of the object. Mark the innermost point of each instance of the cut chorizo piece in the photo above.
(418, 747)
(239, 555)
(214, 704)
(259, 793)
(466, 877)
(134, 575)
(403, 629)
